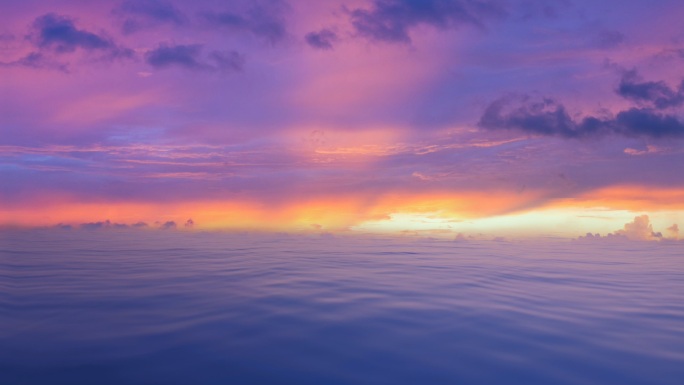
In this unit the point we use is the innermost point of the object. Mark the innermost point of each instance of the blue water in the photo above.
(157, 307)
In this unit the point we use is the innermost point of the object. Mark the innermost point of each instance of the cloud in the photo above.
(170, 225)
(650, 149)
(544, 118)
(39, 61)
(646, 122)
(189, 57)
(391, 20)
(102, 225)
(640, 229)
(265, 23)
(673, 231)
(109, 225)
(322, 39)
(165, 56)
(227, 60)
(59, 34)
(654, 94)
(550, 118)
(140, 14)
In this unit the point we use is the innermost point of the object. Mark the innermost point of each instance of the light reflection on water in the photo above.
(107, 307)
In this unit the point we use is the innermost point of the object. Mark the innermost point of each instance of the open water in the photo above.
(172, 307)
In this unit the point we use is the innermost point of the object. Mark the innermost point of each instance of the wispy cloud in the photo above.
(189, 57)
(141, 14)
(392, 20)
(262, 20)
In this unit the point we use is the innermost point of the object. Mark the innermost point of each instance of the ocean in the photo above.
(102, 307)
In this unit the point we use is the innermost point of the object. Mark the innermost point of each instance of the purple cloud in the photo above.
(322, 39)
(550, 118)
(186, 56)
(141, 14)
(189, 57)
(656, 94)
(59, 33)
(264, 22)
(392, 20)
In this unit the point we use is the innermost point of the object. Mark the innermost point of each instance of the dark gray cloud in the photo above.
(322, 39)
(190, 57)
(655, 94)
(550, 118)
(59, 34)
(140, 14)
(266, 23)
(392, 20)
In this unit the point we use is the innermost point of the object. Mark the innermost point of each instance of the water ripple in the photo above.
(207, 308)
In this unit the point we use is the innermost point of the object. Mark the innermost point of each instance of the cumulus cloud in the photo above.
(322, 39)
(190, 57)
(140, 14)
(548, 117)
(392, 20)
(640, 229)
(59, 34)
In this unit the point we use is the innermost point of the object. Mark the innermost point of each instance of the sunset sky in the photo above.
(501, 117)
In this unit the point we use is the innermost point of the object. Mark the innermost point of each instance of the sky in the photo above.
(510, 117)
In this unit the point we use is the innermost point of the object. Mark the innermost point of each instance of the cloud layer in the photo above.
(303, 109)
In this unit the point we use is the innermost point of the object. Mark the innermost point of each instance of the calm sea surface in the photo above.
(157, 307)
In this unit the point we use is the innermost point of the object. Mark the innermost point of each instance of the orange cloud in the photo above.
(330, 213)
(633, 198)
(336, 213)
